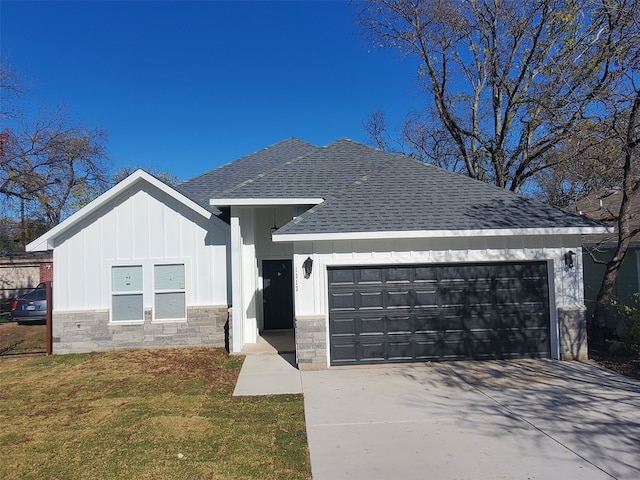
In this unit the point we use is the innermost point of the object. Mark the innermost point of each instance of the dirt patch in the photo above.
(626, 365)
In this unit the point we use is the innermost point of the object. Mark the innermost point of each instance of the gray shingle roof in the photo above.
(409, 195)
(208, 185)
(367, 190)
(323, 173)
(605, 207)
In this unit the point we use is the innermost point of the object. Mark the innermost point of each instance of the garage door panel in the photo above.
(426, 323)
(509, 294)
(441, 312)
(370, 275)
(480, 321)
(372, 351)
(425, 297)
(343, 301)
(398, 275)
(342, 277)
(398, 299)
(344, 353)
(345, 326)
(399, 325)
(372, 325)
(370, 300)
(399, 350)
(425, 275)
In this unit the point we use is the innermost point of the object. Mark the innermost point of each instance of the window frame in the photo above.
(159, 291)
(116, 293)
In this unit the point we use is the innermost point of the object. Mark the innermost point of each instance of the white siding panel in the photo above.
(157, 229)
(142, 230)
(77, 269)
(109, 235)
(221, 290)
(91, 265)
(187, 237)
(61, 277)
(124, 229)
(141, 225)
(172, 233)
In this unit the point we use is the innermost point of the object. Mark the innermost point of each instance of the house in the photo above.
(369, 257)
(599, 248)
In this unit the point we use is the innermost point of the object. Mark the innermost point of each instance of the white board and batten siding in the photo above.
(147, 228)
(566, 289)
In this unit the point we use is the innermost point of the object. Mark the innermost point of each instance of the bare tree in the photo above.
(625, 129)
(510, 80)
(49, 166)
(162, 175)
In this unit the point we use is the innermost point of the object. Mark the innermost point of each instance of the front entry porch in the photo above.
(272, 342)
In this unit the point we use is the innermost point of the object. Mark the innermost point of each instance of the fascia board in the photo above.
(310, 237)
(45, 242)
(261, 202)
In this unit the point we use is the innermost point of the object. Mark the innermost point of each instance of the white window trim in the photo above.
(148, 292)
(133, 292)
(155, 291)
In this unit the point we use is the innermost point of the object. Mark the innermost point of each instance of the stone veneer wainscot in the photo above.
(86, 331)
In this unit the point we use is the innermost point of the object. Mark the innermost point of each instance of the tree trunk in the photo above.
(629, 188)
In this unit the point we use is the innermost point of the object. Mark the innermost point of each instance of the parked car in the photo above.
(30, 307)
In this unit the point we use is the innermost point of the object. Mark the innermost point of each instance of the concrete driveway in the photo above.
(473, 420)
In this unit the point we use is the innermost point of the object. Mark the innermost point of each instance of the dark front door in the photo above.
(277, 294)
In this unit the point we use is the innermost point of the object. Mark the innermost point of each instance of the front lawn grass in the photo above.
(144, 414)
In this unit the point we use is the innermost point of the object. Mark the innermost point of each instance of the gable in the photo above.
(114, 196)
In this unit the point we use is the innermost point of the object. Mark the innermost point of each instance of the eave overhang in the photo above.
(263, 202)
(394, 235)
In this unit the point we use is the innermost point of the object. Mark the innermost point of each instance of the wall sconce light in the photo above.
(569, 259)
(307, 266)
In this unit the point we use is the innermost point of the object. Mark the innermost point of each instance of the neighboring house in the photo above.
(599, 248)
(22, 272)
(370, 257)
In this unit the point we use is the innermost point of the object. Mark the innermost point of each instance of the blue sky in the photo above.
(187, 86)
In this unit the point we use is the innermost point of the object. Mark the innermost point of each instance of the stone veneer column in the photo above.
(572, 324)
(311, 342)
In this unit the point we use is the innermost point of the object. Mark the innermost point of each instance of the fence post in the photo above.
(49, 296)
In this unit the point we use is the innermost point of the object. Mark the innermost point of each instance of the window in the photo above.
(126, 289)
(169, 296)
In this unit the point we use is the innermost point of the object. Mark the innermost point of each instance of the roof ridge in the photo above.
(260, 150)
(271, 170)
(356, 183)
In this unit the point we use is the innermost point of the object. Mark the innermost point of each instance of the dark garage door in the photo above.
(438, 312)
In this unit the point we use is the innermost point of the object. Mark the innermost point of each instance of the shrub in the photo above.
(628, 320)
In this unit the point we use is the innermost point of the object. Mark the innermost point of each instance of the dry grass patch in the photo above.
(155, 414)
(18, 339)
